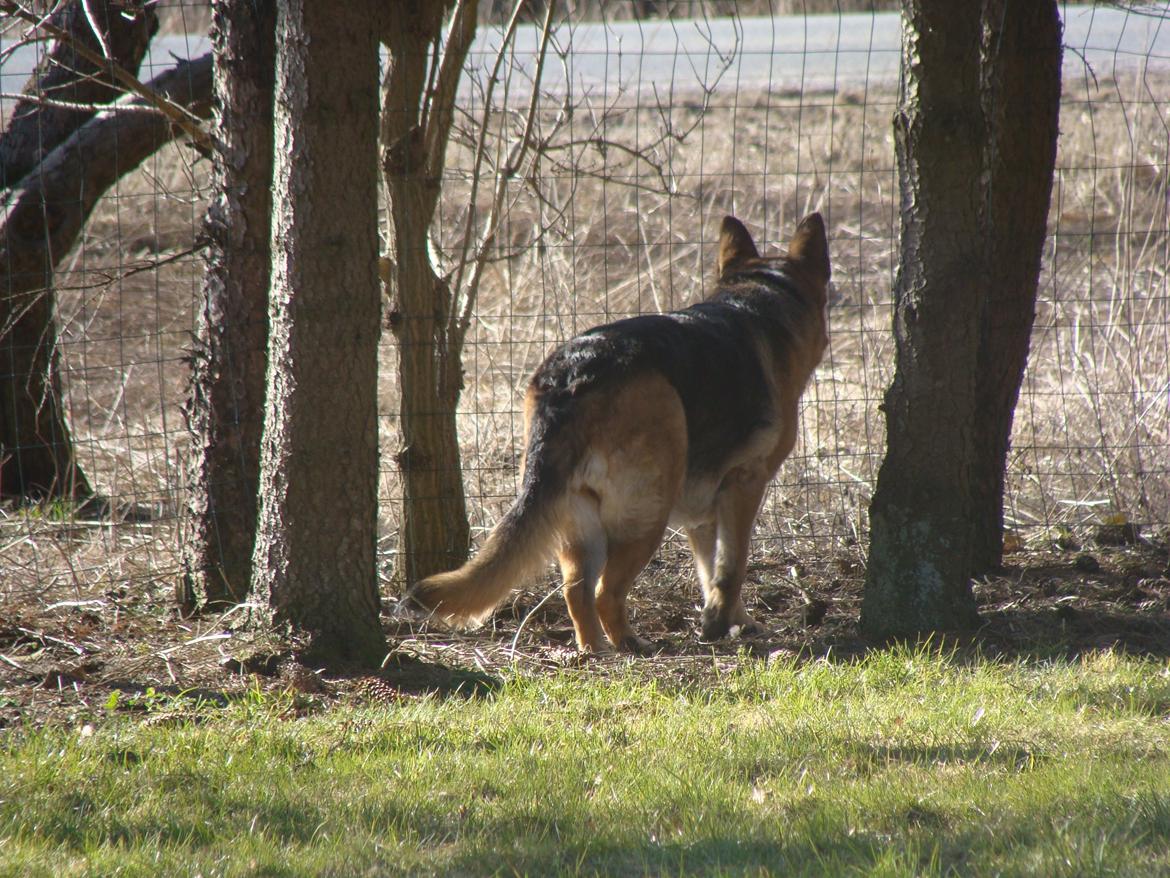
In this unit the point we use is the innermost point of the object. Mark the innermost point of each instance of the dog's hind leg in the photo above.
(582, 557)
(623, 563)
(702, 540)
(735, 512)
(581, 567)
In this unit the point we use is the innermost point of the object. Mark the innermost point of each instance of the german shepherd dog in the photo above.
(667, 419)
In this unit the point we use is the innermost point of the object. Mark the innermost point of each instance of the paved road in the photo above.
(816, 52)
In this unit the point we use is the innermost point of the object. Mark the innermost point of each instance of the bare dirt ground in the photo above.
(70, 656)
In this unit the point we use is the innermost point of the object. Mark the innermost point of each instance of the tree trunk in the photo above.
(35, 129)
(976, 148)
(920, 517)
(435, 535)
(314, 566)
(42, 219)
(225, 408)
(36, 451)
(1022, 63)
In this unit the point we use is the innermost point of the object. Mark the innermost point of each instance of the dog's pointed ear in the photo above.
(735, 244)
(810, 247)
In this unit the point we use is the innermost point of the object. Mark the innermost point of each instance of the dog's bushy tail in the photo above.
(513, 553)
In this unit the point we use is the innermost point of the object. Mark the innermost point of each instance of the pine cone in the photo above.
(375, 689)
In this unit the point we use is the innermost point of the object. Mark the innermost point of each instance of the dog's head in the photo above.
(806, 263)
(807, 257)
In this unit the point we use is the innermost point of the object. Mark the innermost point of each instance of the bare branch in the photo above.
(108, 278)
(29, 37)
(34, 127)
(482, 126)
(87, 8)
(80, 107)
(113, 144)
(503, 176)
(431, 76)
(177, 114)
(459, 40)
(643, 154)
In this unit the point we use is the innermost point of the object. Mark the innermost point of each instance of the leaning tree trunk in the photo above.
(921, 542)
(1022, 61)
(314, 567)
(41, 221)
(435, 534)
(36, 450)
(74, 80)
(225, 407)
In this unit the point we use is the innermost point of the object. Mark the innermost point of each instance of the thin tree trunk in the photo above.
(1022, 63)
(41, 221)
(314, 566)
(225, 407)
(921, 543)
(435, 534)
(36, 128)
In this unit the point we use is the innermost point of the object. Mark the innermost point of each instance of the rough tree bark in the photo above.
(40, 221)
(975, 143)
(225, 407)
(1021, 94)
(314, 574)
(920, 532)
(435, 535)
(37, 459)
(35, 127)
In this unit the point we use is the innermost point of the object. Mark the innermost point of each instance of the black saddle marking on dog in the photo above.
(709, 353)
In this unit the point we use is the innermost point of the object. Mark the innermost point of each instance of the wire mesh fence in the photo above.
(653, 127)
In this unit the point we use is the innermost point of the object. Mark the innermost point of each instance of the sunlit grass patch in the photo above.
(904, 763)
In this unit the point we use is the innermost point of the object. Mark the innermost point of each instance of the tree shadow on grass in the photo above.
(411, 674)
(831, 850)
(819, 838)
(1045, 605)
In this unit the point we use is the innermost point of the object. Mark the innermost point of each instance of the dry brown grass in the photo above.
(1092, 429)
(1093, 426)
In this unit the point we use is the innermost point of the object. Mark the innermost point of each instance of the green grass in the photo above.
(905, 763)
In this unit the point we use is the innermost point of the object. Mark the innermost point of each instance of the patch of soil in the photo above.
(74, 658)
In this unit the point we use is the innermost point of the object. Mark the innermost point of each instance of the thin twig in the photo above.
(87, 8)
(48, 638)
(112, 278)
(218, 635)
(146, 265)
(80, 107)
(13, 663)
(530, 614)
(27, 39)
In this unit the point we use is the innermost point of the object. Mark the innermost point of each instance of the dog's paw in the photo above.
(751, 629)
(713, 626)
(716, 626)
(599, 650)
(636, 645)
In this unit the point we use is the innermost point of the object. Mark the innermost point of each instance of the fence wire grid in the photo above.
(675, 121)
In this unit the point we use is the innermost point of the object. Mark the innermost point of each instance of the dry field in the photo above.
(618, 235)
(190, 16)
